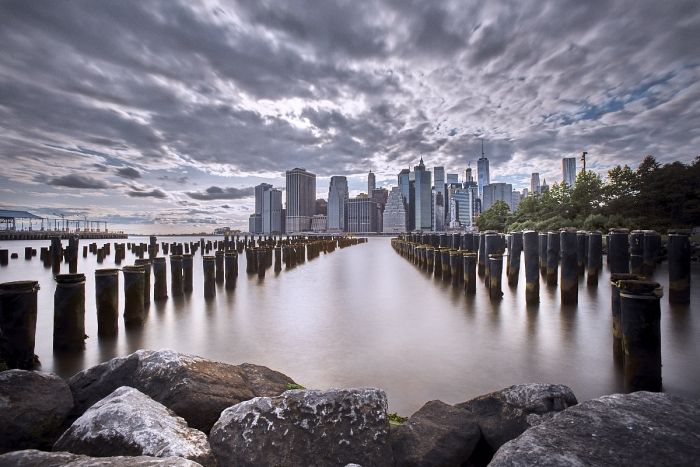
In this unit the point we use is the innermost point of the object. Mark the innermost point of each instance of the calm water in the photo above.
(365, 316)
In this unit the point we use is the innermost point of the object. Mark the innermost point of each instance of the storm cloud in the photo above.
(215, 192)
(78, 181)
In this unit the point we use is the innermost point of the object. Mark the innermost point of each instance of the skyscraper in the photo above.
(423, 197)
(337, 198)
(404, 179)
(395, 217)
(482, 166)
(568, 168)
(535, 183)
(438, 195)
(468, 175)
(497, 192)
(255, 223)
(371, 183)
(272, 211)
(452, 178)
(362, 215)
(301, 200)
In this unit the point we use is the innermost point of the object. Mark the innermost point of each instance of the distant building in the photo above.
(301, 200)
(255, 223)
(438, 211)
(395, 218)
(468, 177)
(544, 188)
(321, 206)
(380, 196)
(272, 211)
(568, 168)
(452, 178)
(497, 192)
(319, 223)
(463, 208)
(371, 183)
(482, 166)
(535, 183)
(439, 188)
(362, 215)
(423, 197)
(337, 199)
(515, 200)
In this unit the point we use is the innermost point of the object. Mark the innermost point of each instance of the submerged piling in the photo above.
(652, 247)
(679, 267)
(187, 272)
(552, 257)
(595, 257)
(231, 267)
(18, 312)
(495, 272)
(146, 263)
(636, 240)
(469, 266)
(209, 269)
(569, 266)
(219, 255)
(160, 280)
(134, 308)
(618, 251)
(532, 279)
(176, 275)
(516, 248)
(616, 313)
(107, 301)
(69, 313)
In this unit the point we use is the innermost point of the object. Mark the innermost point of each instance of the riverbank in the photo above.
(7, 235)
(167, 408)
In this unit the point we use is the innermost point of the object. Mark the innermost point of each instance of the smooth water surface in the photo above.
(365, 316)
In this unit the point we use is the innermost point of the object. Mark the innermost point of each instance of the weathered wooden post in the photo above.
(219, 256)
(618, 251)
(495, 272)
(73, 254)
(679, 266)
(636, 240)
(492, 242)
(107, 301)
(261, 260)
(456, 267)
(652, 246)
(469, 267)
(445, 262)
(146, 263)
(209, 267)
(581, 252)
(553, 247)
(595, 257)
(187, 272)
(542, 244)
(231, 266)
(532, 279)
(616, 313)
(27, 253)
(481, 259)
(278, 258)
(56, 254)
(18, 313)
(641, 334)
(176, 275)
(4, 257)
(134, 308)
(516, 247)
(69, 313)
(569, 266)
(160, 279)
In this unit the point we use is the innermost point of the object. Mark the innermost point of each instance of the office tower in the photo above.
(482, 166)
(439, 176)
(321, 206)
(468, 177)
(371, 183)
(319, 223)
(404, 180)
(259, 189)
(255, 222)
(462, 207)
(438, 211)
(272, 211)
(544, 187)
(525, 192)
(568, 168)
(423, 197)
(439, 188)
(515, 200)
(362, 215)
(452, 178)
(497, 192)
(535, 183)
(380, 196)
(301, 199)
(412, 202)
(395, 216)
(337, 198)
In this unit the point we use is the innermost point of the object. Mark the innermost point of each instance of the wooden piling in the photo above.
(18, 313)
(69, 313)
(107, 301)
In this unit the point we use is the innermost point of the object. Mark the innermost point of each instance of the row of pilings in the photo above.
(562, 258)
(143, 280)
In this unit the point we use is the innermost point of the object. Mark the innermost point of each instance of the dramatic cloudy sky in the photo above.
(154, 113)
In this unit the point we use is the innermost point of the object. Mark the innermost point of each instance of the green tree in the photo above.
(494, 218)
(587, 194)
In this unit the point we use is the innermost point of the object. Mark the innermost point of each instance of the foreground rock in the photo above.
(639, 429)
(304, 427)
(195, 388)
(32, 458)
(129, 423)
(437, 435)
(504, 415)
(33, 407)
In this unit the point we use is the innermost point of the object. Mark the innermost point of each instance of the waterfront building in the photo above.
(423, 197)
(463, 209)
(337, 199)
(380, 196)
(482, 166)
(568, 169)
(321, 206)
(395, 216)
(438, 211)
(371, 183)
(255, 223)
(319, 223)
(535, 183)
(497, 192)
(439, 188)
(301, 199)
(272, 211)
(404, 180)
(362, 215)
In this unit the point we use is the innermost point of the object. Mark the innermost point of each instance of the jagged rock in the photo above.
(438, 434)
(503, 415)
(195, 388)
(638, 429)
(305, 427)
(33, 458)
(33, 407)
(129, 423)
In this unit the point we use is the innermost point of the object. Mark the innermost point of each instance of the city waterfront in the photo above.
(364, 316)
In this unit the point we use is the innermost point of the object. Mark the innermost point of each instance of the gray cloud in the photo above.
(154, 193)
(215, 192)
(128, 172)
(78, 181)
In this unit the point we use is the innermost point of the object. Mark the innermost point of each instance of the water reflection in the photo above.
(364, 316)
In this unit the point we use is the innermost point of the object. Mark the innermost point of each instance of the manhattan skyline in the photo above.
(165, 115)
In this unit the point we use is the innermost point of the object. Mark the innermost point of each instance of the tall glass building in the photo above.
(482, 169)
(337, 199)
(568, 169)
(395, 216)
(423, 197)
(497, 192)
(301, 200)
(362, 215)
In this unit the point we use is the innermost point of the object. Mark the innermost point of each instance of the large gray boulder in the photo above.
(305, 427)
(638, 429)
(438, 434)
(503, 415)
(33, 458)
(33, 407)
(129, 423)
(195, 388)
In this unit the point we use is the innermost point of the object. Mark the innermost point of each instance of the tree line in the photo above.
(652, 196)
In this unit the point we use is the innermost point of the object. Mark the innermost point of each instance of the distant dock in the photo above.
(47, 234)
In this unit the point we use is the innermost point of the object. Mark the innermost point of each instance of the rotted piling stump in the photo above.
(618, 251)
(581, 252)
(209, 269)
(679, 267)
(652, 248)
(231, 266)
(532, 279)
(146, 263)
(636, 240)
(495, 275)
(569, 266)
(542, 249)
(616, 312)
(176, 283)
(516, 248)
(595, 257)
(469, 266)
(18, 313)
(219, 256)
(456, 267)
(134, 284)
(160, 279)
(69, 313)
(107, 301)
(553, 251)
(187, 272)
